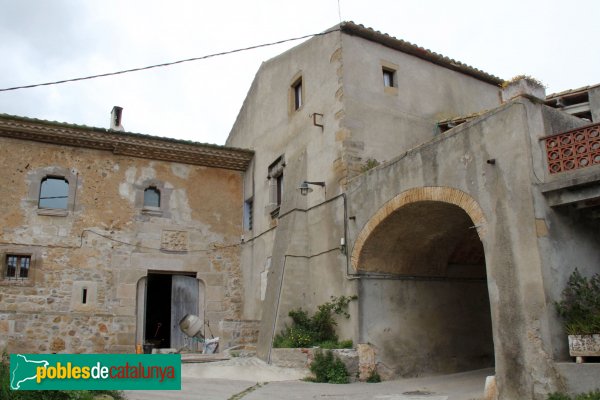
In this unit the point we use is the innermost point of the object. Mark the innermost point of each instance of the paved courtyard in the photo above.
(251, 379)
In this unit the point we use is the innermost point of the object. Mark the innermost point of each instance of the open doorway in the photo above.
(168, 298)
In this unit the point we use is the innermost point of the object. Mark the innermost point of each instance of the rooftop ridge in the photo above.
(351, 28)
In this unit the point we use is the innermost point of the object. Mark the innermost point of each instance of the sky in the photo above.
(47, 40)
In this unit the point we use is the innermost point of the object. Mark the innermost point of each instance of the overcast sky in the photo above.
(46, 40)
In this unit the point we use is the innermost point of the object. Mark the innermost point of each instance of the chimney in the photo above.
(115, 119)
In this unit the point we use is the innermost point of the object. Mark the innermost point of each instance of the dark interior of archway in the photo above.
(433, 314)
(427, 238)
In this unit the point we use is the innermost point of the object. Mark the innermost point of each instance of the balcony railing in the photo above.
(579, 148)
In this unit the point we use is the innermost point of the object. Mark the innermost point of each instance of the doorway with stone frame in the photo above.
(163, 299)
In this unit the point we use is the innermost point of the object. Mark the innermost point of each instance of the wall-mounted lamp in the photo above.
(305, 189)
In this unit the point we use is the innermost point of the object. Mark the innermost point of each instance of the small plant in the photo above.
(579, 305)
(328, 368)
(369, 164)
(527, 78)
(559, 396)
(374, 377)
(318, 330)
(595, 395)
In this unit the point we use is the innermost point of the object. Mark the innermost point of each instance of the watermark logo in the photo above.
(95, 371)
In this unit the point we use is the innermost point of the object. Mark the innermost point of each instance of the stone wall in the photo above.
(238, 333)
(82, 293)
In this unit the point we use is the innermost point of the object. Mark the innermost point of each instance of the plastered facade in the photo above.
(450, 244)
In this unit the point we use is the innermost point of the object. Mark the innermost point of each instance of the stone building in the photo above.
(453, 204)
(109, 238)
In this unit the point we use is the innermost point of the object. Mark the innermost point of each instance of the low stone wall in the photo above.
(579, 378)
(67, 333)
(359, 362)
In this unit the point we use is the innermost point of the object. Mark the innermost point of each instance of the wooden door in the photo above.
(184, 300)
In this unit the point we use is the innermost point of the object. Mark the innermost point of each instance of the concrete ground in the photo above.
(252, 379)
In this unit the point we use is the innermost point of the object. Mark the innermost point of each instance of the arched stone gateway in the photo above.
(424, 302)
(429, 193)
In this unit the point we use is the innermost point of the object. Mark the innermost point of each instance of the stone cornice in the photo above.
(125, 143)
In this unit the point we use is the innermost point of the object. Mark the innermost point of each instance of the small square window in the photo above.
(388, 77)
(17, 266)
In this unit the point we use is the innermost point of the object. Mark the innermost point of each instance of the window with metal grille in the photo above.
(248, 214)
(17, 266)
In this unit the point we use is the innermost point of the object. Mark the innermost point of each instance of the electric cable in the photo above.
(168, 64)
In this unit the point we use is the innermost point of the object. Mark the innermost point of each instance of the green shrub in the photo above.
(579, 305)
(595, 395)
(374, 377)
(318, 330)
(328, 368)
(558, 396)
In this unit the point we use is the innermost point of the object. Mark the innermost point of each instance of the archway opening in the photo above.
(424, 301)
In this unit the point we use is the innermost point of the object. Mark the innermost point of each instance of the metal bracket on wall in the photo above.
(314, 117)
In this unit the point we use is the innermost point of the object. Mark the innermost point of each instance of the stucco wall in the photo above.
(45, 313)
(267, 124)
(503, 192)
(342, 80)
(424, 327)
(386, 122)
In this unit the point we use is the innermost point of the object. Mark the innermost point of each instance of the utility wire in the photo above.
(167, 64)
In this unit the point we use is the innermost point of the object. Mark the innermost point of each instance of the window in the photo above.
(54, 193)
(297, 88)
(17, 266)
(248, 214)
(276, 185)
(279, 191)
(152, 197)
(388, 77)
(296, 94)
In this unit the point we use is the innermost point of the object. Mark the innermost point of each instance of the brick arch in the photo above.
(427, 193)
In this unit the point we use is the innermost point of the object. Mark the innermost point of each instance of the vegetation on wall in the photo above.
(369, 164)
(527, 78)
(318, 330)
(579, 305)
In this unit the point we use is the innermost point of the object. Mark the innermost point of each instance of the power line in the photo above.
(167, 64)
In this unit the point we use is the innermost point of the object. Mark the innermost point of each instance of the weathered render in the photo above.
(87, 289)
(457, 244)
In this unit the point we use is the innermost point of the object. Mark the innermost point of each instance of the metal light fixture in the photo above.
(305, 189)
